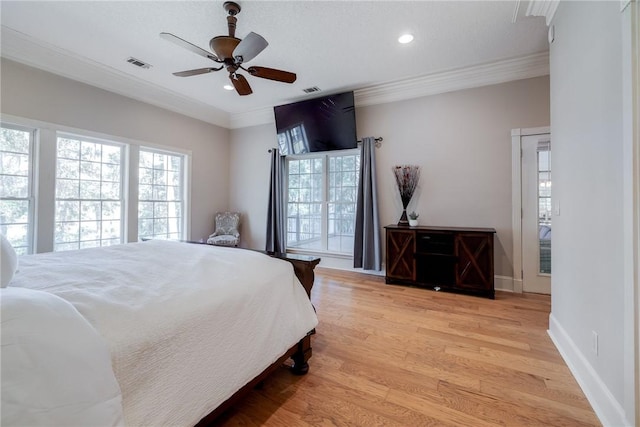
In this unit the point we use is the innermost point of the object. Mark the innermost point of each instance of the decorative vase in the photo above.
(413, 222)
(404, 220)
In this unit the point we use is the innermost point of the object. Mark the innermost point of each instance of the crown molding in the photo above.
(256, 117)
(525, 67)
(448, 81)
(546, 8)
(21, 48)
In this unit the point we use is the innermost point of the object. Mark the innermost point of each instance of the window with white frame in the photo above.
(16, 187)
(321, 201)
(161, 195)
(89, 197)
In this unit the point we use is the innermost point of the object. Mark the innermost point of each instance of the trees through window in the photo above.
(16, 187)
(91, 200)
(160, 195)
(89, 196)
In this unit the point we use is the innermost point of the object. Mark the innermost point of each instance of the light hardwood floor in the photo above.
(390, 355)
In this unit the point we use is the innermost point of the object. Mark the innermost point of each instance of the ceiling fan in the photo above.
(232, 53)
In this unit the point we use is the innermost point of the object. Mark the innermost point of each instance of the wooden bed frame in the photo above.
(300, 353)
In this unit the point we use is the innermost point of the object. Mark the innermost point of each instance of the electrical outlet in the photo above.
(594, 342)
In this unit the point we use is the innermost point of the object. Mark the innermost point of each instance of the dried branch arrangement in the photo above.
(407, 177)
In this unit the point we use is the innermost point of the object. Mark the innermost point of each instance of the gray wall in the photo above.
(35, 94)
(462, 141)
(588, 236)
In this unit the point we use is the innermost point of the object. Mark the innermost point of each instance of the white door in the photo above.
(536, 213)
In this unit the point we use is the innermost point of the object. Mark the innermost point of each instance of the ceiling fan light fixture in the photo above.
(228, 87)
(405, 38)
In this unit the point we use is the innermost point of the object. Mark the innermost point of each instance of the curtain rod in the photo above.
(378, 139)
(378, 143)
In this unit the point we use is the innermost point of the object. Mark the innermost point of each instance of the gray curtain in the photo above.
(367, 252)
(275, 213)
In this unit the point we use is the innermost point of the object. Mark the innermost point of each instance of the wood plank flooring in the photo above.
(387, 355)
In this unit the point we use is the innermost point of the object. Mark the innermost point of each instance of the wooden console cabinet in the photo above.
(442, 258)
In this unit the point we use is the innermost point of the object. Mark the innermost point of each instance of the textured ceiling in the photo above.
(335, 45)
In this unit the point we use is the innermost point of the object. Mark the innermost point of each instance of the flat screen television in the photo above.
(319, 124)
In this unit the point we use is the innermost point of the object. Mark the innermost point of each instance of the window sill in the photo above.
(320, 253)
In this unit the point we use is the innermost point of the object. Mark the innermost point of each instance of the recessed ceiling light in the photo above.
(405, 38)
(228, 87)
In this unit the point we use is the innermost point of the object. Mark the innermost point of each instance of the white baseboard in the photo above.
(517, 286)
(503, 283)
(607, 408)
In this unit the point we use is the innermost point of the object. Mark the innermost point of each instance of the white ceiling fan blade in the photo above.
(189, 46)
(249, 47)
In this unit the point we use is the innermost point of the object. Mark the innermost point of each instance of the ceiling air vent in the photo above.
(138, 63)
(311, 89)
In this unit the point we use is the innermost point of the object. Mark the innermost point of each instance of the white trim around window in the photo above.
(44, 172)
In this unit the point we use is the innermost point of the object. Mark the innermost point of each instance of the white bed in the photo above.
(185, 325)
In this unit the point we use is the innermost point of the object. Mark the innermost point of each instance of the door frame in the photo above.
(630, 10)
(516, 198)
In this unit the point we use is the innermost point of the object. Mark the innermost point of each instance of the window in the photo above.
(16, 187)
(89, 197)
(61, 189)
(544, 206)
(160, 195)
(321, 201)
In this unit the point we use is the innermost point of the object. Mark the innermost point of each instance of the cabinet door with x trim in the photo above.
(400, 255)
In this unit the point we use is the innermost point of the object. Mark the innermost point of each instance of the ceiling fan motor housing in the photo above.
(223, 46)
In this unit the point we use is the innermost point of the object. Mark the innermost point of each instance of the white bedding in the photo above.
(187, 325)
(56, 369)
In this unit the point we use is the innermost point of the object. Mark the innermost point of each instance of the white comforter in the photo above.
(187, 325)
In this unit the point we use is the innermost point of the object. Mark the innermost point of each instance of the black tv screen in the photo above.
(319, 124)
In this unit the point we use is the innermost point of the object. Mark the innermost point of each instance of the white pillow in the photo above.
(8, 261)
(56, 368)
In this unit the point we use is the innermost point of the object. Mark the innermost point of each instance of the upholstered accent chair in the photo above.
(226, 232)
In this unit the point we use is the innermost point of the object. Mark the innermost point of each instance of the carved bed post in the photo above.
(303, 267)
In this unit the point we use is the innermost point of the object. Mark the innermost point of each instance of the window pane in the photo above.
(88, 194)
(16, 198)
(14, 186)
(90, 190)
(90, 151)
(91, 211)
(160, 192)
(68, 148)
(68, 169)
(110, 172)
(14, 163)
(68, 210)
